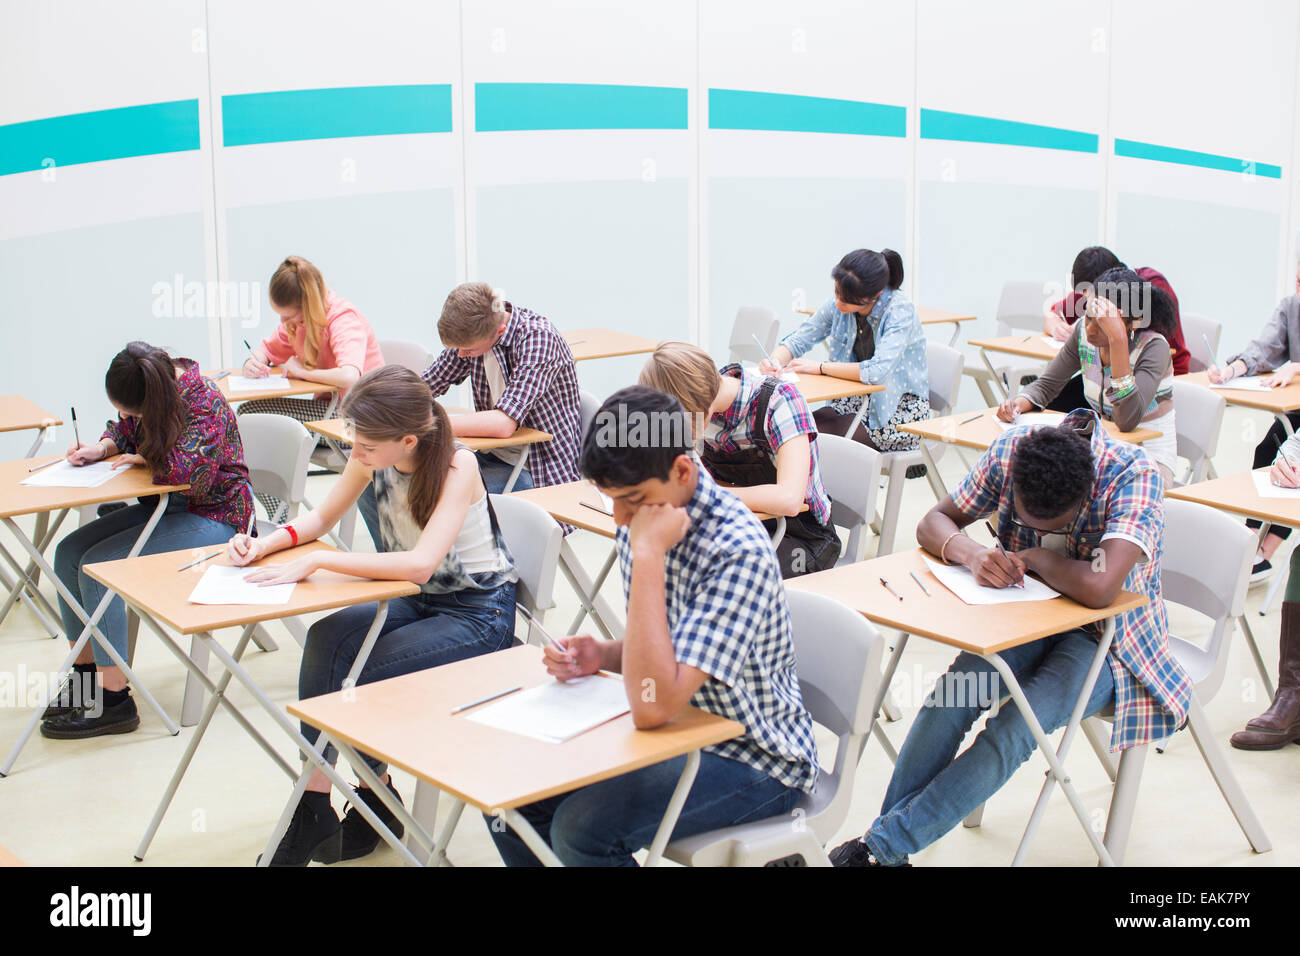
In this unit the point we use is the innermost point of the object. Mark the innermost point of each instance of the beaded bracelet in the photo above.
(943, 549)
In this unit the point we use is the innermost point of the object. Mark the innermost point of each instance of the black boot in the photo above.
(359, 837)
(313, 833)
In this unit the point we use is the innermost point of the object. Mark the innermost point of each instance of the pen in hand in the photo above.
(998, 542)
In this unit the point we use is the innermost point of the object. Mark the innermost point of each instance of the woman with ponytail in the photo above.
(439, 531)
(176, 423)
(1122, 349)
(874, 336)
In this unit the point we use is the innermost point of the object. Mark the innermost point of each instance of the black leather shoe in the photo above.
(915, 471)
(313, 834)
(78, 691)
(93, 721)
(855, 853)
(359, 837)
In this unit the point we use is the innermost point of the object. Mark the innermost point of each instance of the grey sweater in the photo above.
(1278, 343)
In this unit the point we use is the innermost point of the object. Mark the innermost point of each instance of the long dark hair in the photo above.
(1137, 298)
(391, 402)
(863, 273)
(143, 379)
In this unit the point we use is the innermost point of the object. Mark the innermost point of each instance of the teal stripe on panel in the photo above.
(534, 106)
(1189, 157)
(939, 124)
(290, 115)
(749, 109)
(103, 134)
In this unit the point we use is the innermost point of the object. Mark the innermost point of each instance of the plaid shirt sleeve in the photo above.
(1135, 511)
(536, 360)
(788, 416)
(448, 369)
(714, 632)
(977, 495)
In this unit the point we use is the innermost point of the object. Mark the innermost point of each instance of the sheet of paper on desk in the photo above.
(1265, 488)
(792, 377)
(1247, 383)
(556, 712)
(1038, 419)
(222, 584)
(961, 582)
(64, 475)
(1054, 343)
(272, 383)
(597, 500)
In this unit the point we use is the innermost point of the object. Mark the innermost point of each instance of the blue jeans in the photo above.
(930, 792)
(420, 631)
(605, 823)
(112, 537)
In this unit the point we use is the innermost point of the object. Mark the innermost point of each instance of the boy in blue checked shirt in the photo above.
(1062, 496)
(707, 625)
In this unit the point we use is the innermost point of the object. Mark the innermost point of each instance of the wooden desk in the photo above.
(19, 414)
(8, 859)
(407, 722)
(16, 500)
(1278, 402)
(1027, 345)
(983, 431)
(339, 429)
(155, 590)
(298, 387)
(824, 388)
(588, 344)
(984, 630)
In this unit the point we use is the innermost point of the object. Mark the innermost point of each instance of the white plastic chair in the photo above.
(1194, 327)
(1198, 417)
(839, 655)
(588, 406)
(844, 463)
(412, 355)
(533, 538)
(944, 369)
(1020, 308)
(753, 320)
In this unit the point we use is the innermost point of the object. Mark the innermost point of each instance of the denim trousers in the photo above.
(112, 537)
(420, 631)
(605, 823)
(930, 792)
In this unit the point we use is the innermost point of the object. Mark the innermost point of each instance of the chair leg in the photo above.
(974, 818)
(893, 499)
(192, 702)
(1273, 587)
(1119, 821)
(297, 630)
(1094, 730)
(132, 633)
(263, 639)
(1221, 770)
(424, 808)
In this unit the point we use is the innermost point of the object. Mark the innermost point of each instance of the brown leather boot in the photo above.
(1280, 724)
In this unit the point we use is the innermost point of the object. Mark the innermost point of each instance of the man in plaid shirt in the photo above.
(522, 374)
(1085, 512)
(707, 624)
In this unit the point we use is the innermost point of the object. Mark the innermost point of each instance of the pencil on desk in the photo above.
(55, 461)
(484, 700)
(200, 560)
(576, 341)
(1027, 338)
(220, 375)
(918, 583)
(967, 421)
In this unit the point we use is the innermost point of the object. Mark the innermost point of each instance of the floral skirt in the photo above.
(835, 419)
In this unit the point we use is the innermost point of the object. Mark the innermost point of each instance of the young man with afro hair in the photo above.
(1085, 513)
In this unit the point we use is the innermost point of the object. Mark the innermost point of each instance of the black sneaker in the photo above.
(93, 721)
(359, 837)
(1262, 569)
(915, 471)
(78, 691)
(313, 834)
(855, 853)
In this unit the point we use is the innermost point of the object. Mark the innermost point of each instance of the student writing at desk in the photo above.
(707, 624)
(439, 531)
(176, 423)
(1060, 495)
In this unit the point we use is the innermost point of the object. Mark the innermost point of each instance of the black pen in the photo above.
(891, 590)
(74, 428)
(998, 542)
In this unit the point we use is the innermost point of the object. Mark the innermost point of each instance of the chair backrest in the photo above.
(533, 538)
(849, 470)
(944, 367)
(1211, 580)
(1196, 329)
(412, 355)
(588, 405)
(277, 451)
(1198, 418)
(839, 655)
(753, 320)
(1021, 306)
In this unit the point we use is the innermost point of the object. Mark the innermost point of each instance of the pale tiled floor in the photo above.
(88, 802)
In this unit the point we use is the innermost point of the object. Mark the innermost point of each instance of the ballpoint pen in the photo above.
(891, 590)
(998, 542)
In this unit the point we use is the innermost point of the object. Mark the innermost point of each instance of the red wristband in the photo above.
(292, 534)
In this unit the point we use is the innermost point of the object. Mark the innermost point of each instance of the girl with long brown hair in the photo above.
(176, 423)
(439, 531)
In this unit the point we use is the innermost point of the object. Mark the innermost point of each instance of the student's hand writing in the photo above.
(1012, 407)
(657, 528)
(1284, 474)
(1220, 375)
(286, 573)
(85, 454)
(993, 569)
(1284, 375)
(126, 461)
(256, 368)
(1057, 327)
(803, 365)
(583, 657)
(242, 550)
(768, 368)
(294, 367)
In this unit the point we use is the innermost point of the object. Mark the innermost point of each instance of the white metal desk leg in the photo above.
(956, 332)
(857, 418)
(192, 700)
(515, 820)
(1259, 659)
(514, 475)
(439, 855)
(40, 440)
(588, 592)
(993, 373)
(674, 810)
(20, 590)
(932, 472)
(424, 808)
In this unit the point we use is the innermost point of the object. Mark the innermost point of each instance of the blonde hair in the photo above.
(298, 283)
(687, 373)
(472, 312)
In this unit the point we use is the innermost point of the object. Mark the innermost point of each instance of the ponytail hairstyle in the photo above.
(861, 274)
(1138, 301)
(391, 402)
(298, 283)
(143, 379)
(687, 373)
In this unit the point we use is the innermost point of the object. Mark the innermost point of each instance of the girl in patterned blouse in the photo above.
(439, 531)
(176, 423)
